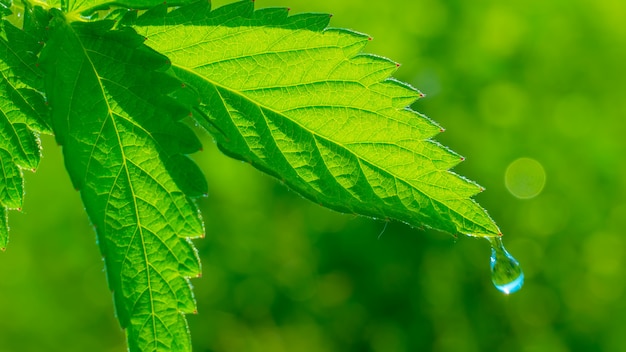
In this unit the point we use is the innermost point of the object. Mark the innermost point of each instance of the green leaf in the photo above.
(21, 117)
(87, 7)
(124, 149)
(301, 102)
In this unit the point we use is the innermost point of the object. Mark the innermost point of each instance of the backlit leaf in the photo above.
(124, 149)
(21, 110)
(288, 94)
(300, 101)
(87, 7)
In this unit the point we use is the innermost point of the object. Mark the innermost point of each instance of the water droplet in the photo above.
(506, 273)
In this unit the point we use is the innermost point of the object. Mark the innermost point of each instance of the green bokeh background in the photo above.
(536, 79)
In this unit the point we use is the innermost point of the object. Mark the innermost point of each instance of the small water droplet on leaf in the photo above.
(506, 273)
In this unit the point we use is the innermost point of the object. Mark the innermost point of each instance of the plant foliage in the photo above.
(118, 88)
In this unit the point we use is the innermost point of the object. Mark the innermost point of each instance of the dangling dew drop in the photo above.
(506, 273)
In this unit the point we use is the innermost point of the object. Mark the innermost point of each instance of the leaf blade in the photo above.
(22, 113)
(121, 137)
(88, 7)
(299, 101)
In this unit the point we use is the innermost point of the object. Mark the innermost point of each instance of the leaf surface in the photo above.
(301, 102)
(124, 149)
(21, 117)
(87, 7)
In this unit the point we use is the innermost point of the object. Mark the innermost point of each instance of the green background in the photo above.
(536, 79)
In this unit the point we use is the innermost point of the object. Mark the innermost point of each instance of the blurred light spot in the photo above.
(525, 178)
